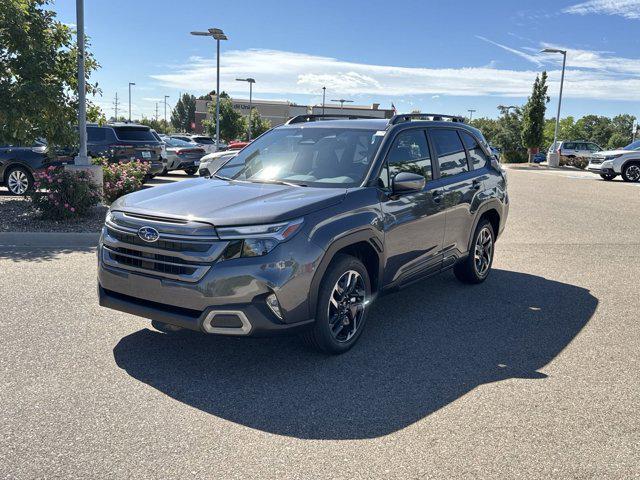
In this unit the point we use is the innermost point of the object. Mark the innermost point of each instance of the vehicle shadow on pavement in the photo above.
(423, 348)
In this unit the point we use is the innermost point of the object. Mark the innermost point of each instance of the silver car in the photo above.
(182, 155)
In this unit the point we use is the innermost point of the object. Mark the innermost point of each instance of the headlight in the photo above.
(607, 163)
(107, 218)
(256, 240)
(612, 157)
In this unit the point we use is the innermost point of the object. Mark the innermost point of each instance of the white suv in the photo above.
(626, 162)
(578, 148)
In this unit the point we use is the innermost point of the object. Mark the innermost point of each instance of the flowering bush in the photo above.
(121, 178)
(61, 194)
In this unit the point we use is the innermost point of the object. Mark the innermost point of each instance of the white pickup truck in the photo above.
(626, 162)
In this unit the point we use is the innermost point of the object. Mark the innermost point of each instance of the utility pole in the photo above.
(250, 81)
(471, 114)
(156, 111)
(115, 107)
(555, 160)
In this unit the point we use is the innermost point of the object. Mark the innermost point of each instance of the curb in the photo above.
(49, 239)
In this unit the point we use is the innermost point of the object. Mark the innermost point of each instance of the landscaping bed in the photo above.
(17, 214)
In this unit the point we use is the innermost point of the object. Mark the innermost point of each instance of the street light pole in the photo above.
(250, 81)
(218, 35)
(165, 110)
(324, 92)
(471, 114)
(82, 158)
(130, 83)
(555, 161)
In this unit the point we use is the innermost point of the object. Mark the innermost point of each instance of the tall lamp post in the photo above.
(471, 110)
(324, 92)
(130, 83)
(217, 35)
(554, 160)
(165, 110)
(250, 81)
(342, 102)
(82, 160)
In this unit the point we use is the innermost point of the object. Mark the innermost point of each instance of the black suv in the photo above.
(306, 226)
(125, 142)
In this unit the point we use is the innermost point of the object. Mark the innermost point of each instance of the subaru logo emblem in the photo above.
(148, 234)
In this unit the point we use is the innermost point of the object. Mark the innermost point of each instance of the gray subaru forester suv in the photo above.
(305, 227)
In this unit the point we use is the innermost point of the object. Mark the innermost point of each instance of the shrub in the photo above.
(60, 194)
(121, 178)
(514, 157)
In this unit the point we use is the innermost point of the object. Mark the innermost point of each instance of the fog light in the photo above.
(272, 303)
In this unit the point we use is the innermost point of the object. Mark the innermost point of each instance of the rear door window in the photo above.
(139, 134)
(203, 140)
(96, 134)
(569, 146)
(478, 157)
(452, 157)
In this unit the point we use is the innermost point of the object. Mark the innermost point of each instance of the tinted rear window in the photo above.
(203, 140)
(134, 134)
(96, 134)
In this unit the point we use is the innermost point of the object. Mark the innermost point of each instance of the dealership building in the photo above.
(278, 112)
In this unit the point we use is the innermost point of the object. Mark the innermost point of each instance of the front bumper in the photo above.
(239, 286)
(599, 169)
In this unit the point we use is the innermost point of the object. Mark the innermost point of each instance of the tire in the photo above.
(18, 180)
(607, 176)
(631, 172)
(476, 270)
(191, 171)
(340, 319)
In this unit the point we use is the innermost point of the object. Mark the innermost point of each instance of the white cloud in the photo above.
(287, 73)
(624, 8)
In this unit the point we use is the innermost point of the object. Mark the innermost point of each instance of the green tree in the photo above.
(259, 125)
(159, 126)
(622, 130)
(184, 113)
(232, 124)
(596, 129)
(508, 137)
(533, 116)
(488, 126)
(38, 74)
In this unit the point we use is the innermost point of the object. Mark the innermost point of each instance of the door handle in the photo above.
(437, 195)
(476, 184)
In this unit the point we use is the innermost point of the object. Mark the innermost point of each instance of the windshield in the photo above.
(319, 157)
(174, 142)
(633, 146)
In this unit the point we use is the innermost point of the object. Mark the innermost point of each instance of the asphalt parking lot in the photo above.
(533, 374)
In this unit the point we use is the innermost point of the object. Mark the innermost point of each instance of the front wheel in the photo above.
(342, 308)
(607, 176)
(190, 171)
(631, 172)
(19, 180)
(477, 266)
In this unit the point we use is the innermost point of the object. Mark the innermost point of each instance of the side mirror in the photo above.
(407, 182)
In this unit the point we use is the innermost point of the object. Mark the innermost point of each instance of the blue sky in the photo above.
(433, 56)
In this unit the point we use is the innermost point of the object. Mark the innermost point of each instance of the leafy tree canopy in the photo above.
(38, 75)
(183, 115)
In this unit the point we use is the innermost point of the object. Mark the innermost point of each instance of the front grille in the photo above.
(171, 245)
(181, 253)
(596, 161)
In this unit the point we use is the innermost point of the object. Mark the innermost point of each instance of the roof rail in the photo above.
(435, 117)
(315, 118)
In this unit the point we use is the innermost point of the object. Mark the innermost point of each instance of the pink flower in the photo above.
(72, 209)
(66, 205)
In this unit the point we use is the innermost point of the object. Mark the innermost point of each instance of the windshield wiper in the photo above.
(220, 177)
(279, 182)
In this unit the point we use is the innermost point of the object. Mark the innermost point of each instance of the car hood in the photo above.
(223, 203)
(606, 153)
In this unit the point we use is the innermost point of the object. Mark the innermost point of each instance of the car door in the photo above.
(460, 183)
(413, 222)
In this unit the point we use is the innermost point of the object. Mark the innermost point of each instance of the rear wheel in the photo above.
(631, 172)
(477, 266)
(341, 311)
(19, 180)
(607, 176)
